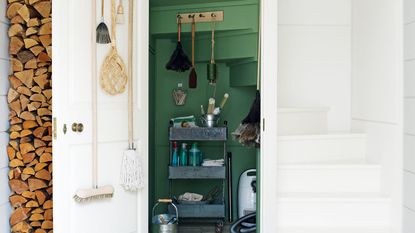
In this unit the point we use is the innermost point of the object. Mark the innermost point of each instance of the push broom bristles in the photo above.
(103, 35)
(86, 195)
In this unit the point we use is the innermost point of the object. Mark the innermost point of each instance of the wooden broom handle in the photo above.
(94, 95)
(193, 40)
(102, 8)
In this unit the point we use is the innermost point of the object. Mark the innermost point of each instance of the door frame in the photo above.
(269, 113)
(268, 158)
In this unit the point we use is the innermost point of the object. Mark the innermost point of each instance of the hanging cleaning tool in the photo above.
(120, 13)
(211, 67)
(113, 78)
(94, 193)
(179, 61)
(193, 75)
(103, 35)
(218, 110)
(131, 177)
(248, 132)
(211, 106)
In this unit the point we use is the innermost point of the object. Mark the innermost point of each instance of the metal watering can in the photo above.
(165, 223)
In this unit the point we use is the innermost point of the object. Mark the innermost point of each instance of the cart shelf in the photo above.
(201, 211)
(198, 134)
(197, 173)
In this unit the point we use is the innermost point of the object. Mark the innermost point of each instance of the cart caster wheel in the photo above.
(219, 227)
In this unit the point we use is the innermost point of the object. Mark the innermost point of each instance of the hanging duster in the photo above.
(94, 193)
(179, 61)
(193, 75)
(131, 177)
(248, 132)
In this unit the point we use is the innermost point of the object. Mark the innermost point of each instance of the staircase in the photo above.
(325, 184)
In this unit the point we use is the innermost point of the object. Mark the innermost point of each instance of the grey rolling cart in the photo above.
(215, 211)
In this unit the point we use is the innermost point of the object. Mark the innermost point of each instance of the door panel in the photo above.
(126, 212)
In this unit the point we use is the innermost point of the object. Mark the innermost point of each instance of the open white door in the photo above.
(125, 212)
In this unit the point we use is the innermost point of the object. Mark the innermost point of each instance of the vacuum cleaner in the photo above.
(246, 203)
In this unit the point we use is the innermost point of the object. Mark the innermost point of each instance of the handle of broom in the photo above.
(94, 97)
(193, 40)
(102, 8)
(258, 78)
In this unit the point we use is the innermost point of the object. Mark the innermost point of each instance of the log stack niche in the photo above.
(30, 104)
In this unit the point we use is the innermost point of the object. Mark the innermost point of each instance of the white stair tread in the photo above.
(330, 165)
(302, 109)
(335, 230)
(329, 197)
(329, 135)
(329, 178)
(298, 120)
(320, 148)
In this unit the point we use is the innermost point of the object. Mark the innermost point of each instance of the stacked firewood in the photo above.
(30, 104)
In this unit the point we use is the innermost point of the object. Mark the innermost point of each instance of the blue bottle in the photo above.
(183, 155)
(175, 156)
(195, 155)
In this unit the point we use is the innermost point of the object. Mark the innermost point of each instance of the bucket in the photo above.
(165, 223)
(210, 120)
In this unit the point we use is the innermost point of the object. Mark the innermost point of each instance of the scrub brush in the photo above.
(120, 13)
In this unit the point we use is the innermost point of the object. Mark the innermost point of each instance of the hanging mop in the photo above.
(83, 195)
(131, 177)
(248, 132)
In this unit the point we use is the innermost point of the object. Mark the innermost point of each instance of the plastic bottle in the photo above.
(183, 155)
(175, 156)
(194, 155)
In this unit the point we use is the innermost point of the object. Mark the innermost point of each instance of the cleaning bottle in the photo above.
(194, 155)
(175, 156)
(183, 155)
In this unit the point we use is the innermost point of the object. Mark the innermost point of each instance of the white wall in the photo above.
(4, 72)
(409, 127)
(314, 50)
(377, 88)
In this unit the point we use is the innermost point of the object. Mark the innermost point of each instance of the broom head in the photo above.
(103, 35)
(85, 195)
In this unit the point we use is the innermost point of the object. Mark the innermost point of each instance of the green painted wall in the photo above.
(234, 47)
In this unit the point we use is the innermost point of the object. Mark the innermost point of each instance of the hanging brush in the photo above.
(95, 192)
(103, 34)
(120, 13)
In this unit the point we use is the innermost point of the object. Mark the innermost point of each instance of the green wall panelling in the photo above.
(236, 44)
(244, 74)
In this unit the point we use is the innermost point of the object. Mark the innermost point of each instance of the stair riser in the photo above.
(302, 122)
(321, 150)
(333, 213)
(360, 179)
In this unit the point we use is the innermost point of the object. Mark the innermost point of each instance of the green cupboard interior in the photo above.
(236, 58)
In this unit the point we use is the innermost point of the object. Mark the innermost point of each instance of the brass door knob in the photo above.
(77, 127)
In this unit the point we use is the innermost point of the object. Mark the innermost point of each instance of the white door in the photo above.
(125, 212)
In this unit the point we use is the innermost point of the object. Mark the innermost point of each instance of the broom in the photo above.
(179, 61)
(103, 35)
(131, 167)
(84, 195)
(248, 132)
